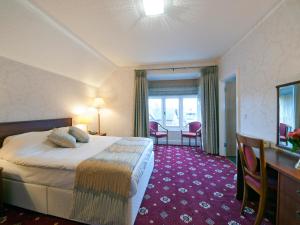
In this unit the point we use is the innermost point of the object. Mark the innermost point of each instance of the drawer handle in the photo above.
(298, 213)
(298, 192)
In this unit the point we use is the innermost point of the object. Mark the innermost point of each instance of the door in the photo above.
(230, 117)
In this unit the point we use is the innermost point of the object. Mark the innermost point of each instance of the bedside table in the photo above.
(95, 133)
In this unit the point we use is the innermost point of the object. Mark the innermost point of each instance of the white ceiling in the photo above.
(29, 36)
(190, 30)
(88, 39)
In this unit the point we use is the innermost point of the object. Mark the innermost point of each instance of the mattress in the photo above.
(58, 178)
(52, 177)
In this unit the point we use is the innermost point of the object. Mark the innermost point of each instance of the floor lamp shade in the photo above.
(99, 103)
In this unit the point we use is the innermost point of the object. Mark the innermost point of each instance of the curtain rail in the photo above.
(176, 68)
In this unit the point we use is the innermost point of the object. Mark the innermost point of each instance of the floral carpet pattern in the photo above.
(187, 187)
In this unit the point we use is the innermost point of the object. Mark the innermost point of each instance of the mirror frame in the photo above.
(277, 124)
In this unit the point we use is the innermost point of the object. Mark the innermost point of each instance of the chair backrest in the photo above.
(194, 126)
(248, 158)
(153, 126)
(283, 128)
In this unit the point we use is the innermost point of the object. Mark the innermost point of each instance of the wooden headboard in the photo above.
(13, 128)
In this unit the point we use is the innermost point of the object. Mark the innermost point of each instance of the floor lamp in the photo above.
(98, 104)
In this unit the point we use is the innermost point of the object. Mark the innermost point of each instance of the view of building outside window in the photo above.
(174, 112)
(190, 110)
(155, 110)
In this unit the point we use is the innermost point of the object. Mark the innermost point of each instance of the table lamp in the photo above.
(82, 122)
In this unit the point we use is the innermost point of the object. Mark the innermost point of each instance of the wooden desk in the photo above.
(288, 195)
(1, 197)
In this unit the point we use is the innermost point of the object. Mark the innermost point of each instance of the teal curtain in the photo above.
(141, 120)
(209, 95)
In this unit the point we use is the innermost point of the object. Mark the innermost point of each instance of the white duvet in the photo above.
(33, 149)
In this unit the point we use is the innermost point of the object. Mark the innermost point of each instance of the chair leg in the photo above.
(167, 140)
(245, 198)
(181, 140)
(201, 142)
(196, 142)
(189, 141)
(261, 209)
(200, 139)
(157, 140)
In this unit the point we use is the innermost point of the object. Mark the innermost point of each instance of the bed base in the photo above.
(58, 202)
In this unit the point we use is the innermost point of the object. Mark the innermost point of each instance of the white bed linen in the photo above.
(58, 164)
(58, 178)
(33, 149)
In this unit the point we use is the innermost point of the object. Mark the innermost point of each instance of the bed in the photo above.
(50, 190)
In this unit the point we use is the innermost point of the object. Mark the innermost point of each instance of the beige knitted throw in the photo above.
(103, 183)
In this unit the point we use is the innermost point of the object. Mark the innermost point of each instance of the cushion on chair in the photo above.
(253, 182)
(160, 134)
(283, 129)
(189, 134)
(194, 126)
(272, 182)
(283, 138)
(250, 159)
(152, 133)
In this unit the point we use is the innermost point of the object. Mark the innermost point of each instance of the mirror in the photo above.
(288, 116)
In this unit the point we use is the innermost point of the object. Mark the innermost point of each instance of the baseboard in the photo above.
(175, 142)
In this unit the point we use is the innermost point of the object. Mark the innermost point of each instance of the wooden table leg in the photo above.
(240, 180)
(1, 195)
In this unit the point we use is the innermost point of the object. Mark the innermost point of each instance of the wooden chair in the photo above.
(255, 176)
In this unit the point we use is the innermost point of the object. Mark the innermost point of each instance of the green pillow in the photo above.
(62, 138)
(79, 135)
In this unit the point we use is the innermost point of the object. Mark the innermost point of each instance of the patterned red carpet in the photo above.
(187, 187)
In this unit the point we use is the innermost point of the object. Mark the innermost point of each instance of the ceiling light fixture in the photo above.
(154, 7)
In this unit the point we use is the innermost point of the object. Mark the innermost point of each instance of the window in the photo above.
(155, 110)
(190, 110)
(174, 112)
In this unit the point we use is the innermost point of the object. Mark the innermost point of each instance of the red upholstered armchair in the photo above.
(154, 132)
(194, 132)
(283, 133)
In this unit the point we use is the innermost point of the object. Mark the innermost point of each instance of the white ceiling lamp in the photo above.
(154, 7)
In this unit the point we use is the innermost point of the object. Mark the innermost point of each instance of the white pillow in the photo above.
(79, 134)
(62, 138)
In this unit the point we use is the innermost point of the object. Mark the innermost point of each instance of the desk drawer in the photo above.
(290, 187)
(289, 211)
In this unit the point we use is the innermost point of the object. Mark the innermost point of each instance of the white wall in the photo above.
(266, 57)
(117, 118)
(28, 93)
(118, 92)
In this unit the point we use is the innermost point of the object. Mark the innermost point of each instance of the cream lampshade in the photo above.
(82, 126)
(82, 122)
(98, 104)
